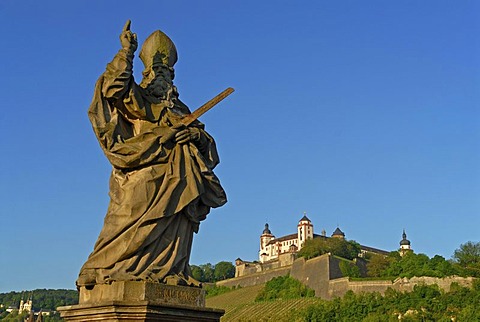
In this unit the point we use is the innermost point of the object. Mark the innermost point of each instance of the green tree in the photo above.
(197, 273)
(349, 269)
(411, 264)
(378, 264)
(224, 270)
(442, 266)
(468, 258)
(208, 272)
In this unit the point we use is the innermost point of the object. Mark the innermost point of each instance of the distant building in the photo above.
(25, 306)
(10, 309)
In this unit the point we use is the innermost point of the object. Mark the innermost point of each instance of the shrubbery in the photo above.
(349, 269)
(410, 265)
(465, 261)
(215, 290)
(425, 303)
(284, 287)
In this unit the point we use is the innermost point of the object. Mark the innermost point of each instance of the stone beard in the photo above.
(159, 191)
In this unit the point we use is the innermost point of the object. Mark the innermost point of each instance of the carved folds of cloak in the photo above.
(159, 193)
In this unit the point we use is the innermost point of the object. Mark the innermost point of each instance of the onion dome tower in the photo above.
(404, 244)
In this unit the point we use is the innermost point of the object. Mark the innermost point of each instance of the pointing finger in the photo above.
(127, 25)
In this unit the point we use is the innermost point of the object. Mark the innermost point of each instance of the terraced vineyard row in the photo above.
(278, 311)
(233, 299)
(239, 305)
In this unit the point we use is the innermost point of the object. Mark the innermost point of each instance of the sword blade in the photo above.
(188, 119)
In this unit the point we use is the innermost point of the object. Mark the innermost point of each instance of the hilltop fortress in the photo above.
(276, 252)
(278, 257)
(271, 248)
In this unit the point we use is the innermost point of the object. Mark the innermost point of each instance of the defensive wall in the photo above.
(255, 278)
(323, 275)
(247, 268)
(340, 286)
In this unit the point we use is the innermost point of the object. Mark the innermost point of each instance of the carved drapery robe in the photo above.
(159, 193)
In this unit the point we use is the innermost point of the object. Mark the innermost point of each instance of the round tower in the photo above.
(304, 231)
(264, 239)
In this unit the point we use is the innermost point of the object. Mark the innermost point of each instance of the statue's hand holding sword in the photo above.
(179, 132)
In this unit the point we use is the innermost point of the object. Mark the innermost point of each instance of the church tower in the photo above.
(25, 306)
(404, 244)
(304, 231)
(20, 308)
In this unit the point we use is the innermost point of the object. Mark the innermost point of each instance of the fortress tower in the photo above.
(304, 231)
(338, 234)
(264, 239)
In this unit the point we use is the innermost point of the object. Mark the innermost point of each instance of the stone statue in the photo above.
(162, 183)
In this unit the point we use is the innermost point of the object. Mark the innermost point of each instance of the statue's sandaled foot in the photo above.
(175, 280)
(181, 280)
(193, 282)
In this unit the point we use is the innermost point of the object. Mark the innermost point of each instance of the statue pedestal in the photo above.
(140, 301)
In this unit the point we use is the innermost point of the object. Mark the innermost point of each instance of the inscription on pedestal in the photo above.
(175, 295)
(142, 291)
(160, 293)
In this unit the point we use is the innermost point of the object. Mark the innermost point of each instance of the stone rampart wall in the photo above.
(405, 284)
(323, 275)
(314, 273)
(248, 268)
(338, 287)
(255, 279)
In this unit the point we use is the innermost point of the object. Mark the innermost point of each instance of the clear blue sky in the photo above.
(363, 114)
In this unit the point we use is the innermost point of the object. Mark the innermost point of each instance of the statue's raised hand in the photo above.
(128, 39)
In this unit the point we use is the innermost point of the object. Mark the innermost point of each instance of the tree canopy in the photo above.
(211, 273)
(335, 246)
(467, 256)
(466, 262)
(41, 298)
